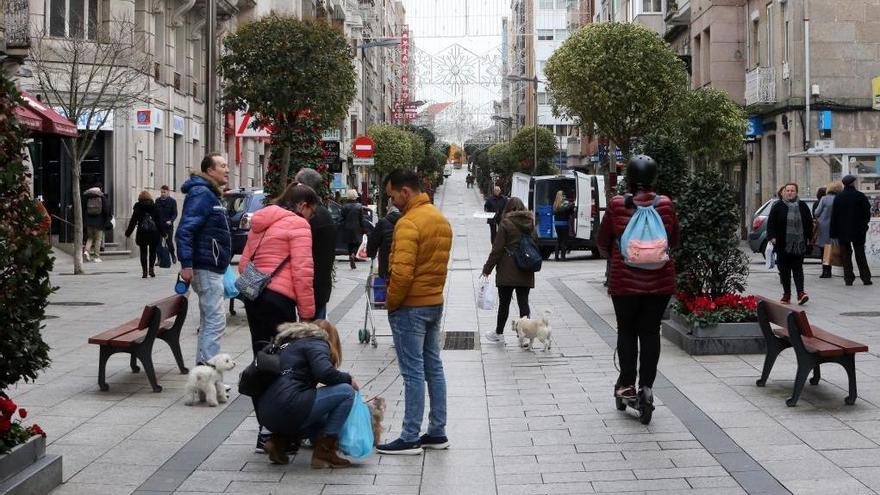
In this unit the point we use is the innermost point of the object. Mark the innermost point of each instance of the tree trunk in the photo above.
(76, 199)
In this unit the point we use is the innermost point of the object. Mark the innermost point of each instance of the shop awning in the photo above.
(29, 118)
(53, 122)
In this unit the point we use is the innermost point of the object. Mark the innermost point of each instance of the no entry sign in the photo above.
(363, 147)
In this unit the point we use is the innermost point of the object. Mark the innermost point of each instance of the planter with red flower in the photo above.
(24, 465)
(710, 314)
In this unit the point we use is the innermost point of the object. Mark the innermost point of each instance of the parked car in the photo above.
(241, 204)
(758, 230)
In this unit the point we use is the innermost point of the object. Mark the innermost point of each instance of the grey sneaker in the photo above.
(492, 336)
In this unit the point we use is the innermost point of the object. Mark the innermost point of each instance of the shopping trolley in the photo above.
(375, 288)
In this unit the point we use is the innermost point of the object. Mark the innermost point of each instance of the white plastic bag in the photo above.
(486, 295)
(362, 251)
(770, 256)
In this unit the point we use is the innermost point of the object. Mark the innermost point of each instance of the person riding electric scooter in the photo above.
(641, 280)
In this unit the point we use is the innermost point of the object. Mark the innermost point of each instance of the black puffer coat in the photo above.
(379, 241)
(323, 253)
(510, 230)
(286, 404)
(141, 209)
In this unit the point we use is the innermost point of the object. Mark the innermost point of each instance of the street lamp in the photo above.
(535, 81)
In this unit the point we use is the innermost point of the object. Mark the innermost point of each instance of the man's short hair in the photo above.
(309, 177)
(208, 161)
(403, 178)
(165, 188)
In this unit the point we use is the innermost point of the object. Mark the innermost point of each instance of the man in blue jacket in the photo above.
(204, 249)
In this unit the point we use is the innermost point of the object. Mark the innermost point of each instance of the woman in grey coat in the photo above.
(823, 216)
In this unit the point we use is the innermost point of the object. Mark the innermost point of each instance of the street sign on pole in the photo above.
(363, 162)
(363, 147)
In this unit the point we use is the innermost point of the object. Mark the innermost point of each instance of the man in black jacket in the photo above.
(849, 225)
(495, 204)
(167, 207)
(323, 244)
(379, 241)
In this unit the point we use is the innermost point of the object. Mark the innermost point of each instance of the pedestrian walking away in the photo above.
(639, 295)
(204, 249)
(280, 243)
(150, 231)
(295, 407)
(494, 204)
(849, 225)
(379, 241)
(417, 267)
(822, 212)
(323, 243)
(96, 219)
(562, 217)
(790, 230)
(352, 213)
(167, 206)
(516, 221)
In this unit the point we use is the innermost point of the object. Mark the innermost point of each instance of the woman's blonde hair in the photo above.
(834, 187)
(557, 203)
(351, 194)
(145, 195)
(333, 340)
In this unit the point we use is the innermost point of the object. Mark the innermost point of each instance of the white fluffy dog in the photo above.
(205, 382)
(527, 329)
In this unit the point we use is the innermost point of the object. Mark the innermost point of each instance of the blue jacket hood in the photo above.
(200, 179)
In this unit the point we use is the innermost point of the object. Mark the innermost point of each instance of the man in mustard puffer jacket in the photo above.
(419, 257)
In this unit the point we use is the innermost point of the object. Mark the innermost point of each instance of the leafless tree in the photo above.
(89, 80)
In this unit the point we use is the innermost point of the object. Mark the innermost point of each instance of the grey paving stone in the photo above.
(677, 472)
(591, 476)
(640, 485)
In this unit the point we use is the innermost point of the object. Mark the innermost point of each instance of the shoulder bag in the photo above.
(252, 281)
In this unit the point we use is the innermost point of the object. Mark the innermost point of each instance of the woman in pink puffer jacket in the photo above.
(280, 236)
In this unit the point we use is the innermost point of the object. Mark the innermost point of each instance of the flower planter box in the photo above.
(725, 338)
(27, 470)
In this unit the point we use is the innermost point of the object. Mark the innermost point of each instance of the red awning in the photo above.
(53, 122)
(29, 118)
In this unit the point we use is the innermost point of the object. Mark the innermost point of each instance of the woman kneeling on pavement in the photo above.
(295, 407)
(639, 295)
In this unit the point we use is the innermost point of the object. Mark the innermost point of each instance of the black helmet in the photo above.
(641, 172)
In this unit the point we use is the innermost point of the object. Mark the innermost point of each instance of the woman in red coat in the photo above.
(640, 296)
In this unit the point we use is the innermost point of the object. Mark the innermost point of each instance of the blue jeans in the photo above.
(329, 412)
(209, 287)
(416, 332)
(321, 312)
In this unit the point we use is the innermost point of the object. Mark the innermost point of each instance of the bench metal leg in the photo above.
(773, 350)
(801, 378)
(817, 375)
(134, 365)
(103, 356)
(146, 358)
(172, 338)
(849, 364)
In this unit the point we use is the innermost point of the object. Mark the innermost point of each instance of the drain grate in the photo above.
(76, 303)
(459, 341)
(864, 314)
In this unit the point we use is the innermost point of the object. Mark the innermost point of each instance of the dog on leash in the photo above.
(377, 414)
(530, 330)
(205, 382)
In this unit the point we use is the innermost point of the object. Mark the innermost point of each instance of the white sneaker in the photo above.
(87, 257)
(98, 260)
(492, 336)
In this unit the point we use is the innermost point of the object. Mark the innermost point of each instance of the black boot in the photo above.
(351, 262)
(826, 271)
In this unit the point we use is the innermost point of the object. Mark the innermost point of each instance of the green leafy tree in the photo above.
(672, 167)
(711, 126)
(482, 170)
(708, 259)
(416, 148)
(522, 149)
(27, 260)
(296, 77)
(617, 79)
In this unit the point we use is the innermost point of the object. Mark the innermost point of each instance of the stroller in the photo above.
(376, 292)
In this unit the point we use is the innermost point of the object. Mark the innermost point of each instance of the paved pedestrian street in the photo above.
(520, 422)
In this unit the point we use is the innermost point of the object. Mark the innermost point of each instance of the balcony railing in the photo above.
(760, 86)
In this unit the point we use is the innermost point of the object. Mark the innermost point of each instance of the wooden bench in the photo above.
(784, 326)
(163, 320)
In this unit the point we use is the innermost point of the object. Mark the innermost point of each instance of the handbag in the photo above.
(836, 255)
(262, 372)
(252, 281)
(164, 255)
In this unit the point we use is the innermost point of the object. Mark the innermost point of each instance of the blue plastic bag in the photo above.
(356, 437)
(229, 289)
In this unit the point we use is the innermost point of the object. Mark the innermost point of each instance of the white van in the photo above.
(447, 170)
(538, 193)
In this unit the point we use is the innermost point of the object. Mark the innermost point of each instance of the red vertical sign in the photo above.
(400, 111)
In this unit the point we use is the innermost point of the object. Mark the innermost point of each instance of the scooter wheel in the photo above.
(645, 416)
(621, 406)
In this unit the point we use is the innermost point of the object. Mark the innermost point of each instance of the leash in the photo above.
(371, 380)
